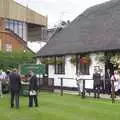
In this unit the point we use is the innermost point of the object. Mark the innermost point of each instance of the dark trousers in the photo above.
(102, 86)
(96, 91)
(108, 87)
(14, 97)
(31, 98)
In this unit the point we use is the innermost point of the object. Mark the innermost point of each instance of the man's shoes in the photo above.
(36, 105)
(30, 106)
(12, 106)
(1, 96)
(17, 107)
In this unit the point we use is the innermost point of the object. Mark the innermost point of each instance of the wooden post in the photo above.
(39, 82)
(52, 85)
(83, 93)
(61, 88)
(76, 63)
(19, 68)
(113, 92)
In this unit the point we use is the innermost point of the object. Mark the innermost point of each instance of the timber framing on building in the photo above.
(12, 10)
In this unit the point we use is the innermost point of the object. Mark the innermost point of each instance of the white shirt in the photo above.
(116, 79)
(3, 76)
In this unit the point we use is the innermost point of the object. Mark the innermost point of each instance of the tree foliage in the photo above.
(112, 57)
(13, 59)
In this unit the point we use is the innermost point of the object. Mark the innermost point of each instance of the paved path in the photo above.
(91, 94)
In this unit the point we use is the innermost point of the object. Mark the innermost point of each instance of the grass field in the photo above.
(56, 107)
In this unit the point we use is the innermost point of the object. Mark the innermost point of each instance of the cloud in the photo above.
(60, 9)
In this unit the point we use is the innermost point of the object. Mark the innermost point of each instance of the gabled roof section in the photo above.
(96, 29)
(12, 10)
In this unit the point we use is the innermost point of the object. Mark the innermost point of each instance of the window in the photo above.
(25, 31)
(7, 24)
(20, 29)
(82, 68)
(8, 48)
(11, 25)
(16, 27)
(59, 65)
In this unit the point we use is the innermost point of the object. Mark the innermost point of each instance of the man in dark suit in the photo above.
(96, 78)
(33, 89)
(15, 85)
(108, 81)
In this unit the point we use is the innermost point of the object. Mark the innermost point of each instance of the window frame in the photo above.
(83, 69)
(59, 68)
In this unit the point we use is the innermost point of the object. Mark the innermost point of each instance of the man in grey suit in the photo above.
(15, 85)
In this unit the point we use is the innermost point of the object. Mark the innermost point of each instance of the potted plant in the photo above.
(59, 61)
(49, 61)
(85, 60)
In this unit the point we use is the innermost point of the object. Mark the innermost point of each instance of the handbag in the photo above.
(33, 92)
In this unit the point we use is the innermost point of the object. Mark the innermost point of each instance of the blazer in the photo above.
(33, 83)
(96, 78)
(15, 82)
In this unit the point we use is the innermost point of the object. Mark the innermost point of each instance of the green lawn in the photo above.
(56, 107)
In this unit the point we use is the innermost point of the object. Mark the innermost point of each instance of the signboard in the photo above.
(36, 68)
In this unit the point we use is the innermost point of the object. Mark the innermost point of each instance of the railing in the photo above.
(84, 89)
(61, 86)
(46, 84)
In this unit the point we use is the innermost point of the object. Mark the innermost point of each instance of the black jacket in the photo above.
(107, 76)
(96, 78)
(33, 83)
(15, 82)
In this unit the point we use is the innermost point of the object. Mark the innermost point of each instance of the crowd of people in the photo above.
(14, 82)
(102, 83)
(13, 78)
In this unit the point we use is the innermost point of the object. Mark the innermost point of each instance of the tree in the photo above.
(13, 59)
(110, 58)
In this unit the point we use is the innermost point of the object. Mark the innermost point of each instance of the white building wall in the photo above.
(70, 71)
(37, 61)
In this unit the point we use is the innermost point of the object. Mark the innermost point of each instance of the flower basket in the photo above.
(49, 61)
(59, 61)
(85, 60)
(101, 58)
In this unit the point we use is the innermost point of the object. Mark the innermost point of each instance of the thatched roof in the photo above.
(97, 29)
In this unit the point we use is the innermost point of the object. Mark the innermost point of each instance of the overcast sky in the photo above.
(57, 10)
